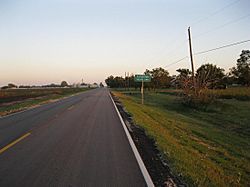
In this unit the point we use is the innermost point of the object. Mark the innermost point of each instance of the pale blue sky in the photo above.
(44, 41)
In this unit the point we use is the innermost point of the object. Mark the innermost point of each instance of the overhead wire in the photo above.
(215, 12)
(216, 28)
(176, 62)
(221, 47)
(221, 26)
(206, 51)
(207, 17)
(164, 53)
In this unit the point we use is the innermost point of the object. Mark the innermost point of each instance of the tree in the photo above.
(115, 82)
(101, 85)
(4, 87)
(210, 76)
(83, 84)
(64, 84)
(183, 80)
(241, 72)
(132, 82)
(160, 78)
(184, 72)
(207, 76)
(110, 81)
(119, 82)
(11, 85)
(24, 86)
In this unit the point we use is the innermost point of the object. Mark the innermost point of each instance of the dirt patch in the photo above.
(151, 156)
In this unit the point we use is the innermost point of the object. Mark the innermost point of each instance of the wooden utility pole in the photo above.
(191, 56)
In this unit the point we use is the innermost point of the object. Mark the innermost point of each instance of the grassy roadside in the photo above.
(207, 148)
(20, 99)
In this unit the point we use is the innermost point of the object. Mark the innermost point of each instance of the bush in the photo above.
(198, 99)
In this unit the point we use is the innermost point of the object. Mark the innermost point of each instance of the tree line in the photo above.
(206, 76)
(63, 84)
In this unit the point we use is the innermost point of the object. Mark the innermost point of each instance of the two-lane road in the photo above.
(78, 141)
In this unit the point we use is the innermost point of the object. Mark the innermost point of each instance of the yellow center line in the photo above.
(15, 142)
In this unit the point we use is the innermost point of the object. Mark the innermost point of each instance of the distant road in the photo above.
(78, 141)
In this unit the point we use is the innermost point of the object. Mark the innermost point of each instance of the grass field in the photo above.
(239, 93)
(207, 148)
(13, 100)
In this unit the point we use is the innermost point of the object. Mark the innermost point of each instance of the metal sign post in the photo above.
(142, 79)
(142, 92)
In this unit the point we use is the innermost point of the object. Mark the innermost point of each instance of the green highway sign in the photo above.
(142, 78)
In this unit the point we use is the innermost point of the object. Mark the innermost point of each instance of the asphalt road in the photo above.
(78, 141)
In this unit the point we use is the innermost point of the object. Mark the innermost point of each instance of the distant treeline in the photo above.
(63, 84)
(206, 76)
(52, 85)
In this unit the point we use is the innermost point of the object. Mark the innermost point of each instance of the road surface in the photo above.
(78, 141)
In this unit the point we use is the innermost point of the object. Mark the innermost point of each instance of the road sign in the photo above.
(142, 78)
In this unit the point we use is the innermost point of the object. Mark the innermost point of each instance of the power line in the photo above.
(175, 62)
(224, 46)
(212, 14)
(216, 12)
(216, 28)
(214, 49)
(165, 53)
(221, 26)
(221, 47)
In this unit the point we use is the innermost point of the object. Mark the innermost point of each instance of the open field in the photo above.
(208, 148)
(239, 93)
(13, 100)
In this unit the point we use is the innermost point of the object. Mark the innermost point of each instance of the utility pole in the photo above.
(191, 57)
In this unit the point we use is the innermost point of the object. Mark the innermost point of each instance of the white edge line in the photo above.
(143, 169)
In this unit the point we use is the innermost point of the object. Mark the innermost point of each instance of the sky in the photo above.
(48, 41)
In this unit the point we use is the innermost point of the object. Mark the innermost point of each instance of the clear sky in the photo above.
(47, 41)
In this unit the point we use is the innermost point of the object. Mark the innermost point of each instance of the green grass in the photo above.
(208, 148)
(239, 93)
(15, 100)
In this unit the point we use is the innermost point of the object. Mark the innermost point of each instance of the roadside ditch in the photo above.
(155, 163)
